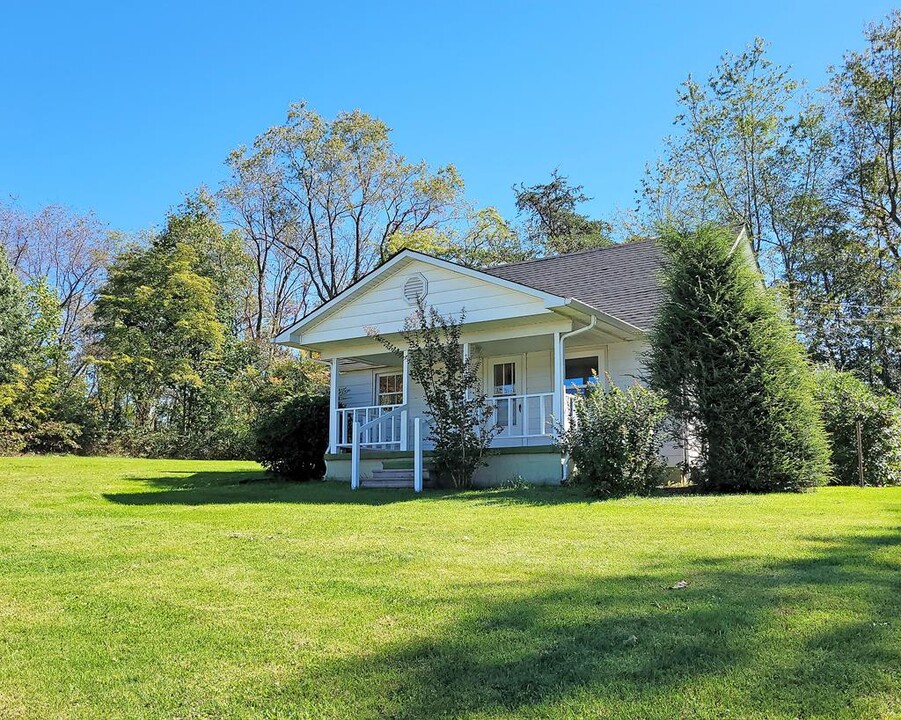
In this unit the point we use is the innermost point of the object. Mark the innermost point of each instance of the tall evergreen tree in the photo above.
(552, 223)
(727, 360)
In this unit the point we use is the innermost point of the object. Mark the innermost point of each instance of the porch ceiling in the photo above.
(514, 346)
(494, 338)
(365, 362)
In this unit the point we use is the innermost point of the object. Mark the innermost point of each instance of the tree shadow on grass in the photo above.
(247, 486)
(813, 636)
(234, 487)
(528, 495)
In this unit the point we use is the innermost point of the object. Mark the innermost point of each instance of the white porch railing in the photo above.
(374, 428)
(390, 434)
(523, 416)
(385, 427)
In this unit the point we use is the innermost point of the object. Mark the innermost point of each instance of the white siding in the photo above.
(539, 372)
(355, 388)
(623, 362)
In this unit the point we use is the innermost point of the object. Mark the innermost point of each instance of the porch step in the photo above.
(379, 483)
(391, 477)
(398, 464)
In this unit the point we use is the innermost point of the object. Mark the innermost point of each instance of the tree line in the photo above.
(160, 342)
(814, 174)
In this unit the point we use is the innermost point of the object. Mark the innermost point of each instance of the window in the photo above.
(505, 378)
(390, 389)
(580, 373)
(506, 408)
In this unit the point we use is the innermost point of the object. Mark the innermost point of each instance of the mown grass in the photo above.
(164, 589)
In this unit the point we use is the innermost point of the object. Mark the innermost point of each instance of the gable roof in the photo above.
(621, 280)
(394, 264)
(618, 284)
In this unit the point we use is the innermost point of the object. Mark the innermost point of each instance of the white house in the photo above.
(540, 328)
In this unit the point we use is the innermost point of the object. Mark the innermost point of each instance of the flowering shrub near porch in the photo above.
(614, 439)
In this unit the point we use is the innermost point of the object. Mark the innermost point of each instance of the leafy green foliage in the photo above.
(816, 180)
(614, 439)
(30, 388)
(337, 196)
(158, 329)
(847, 400)
(486, 240)
(173, 377)
(67, 252)
(727, 362)
(15, 342)
(455, 401)
(291, 439)
(865, 91)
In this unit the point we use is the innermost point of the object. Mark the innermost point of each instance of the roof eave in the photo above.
(625, 330)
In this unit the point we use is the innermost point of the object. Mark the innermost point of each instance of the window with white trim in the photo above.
(389, 389)
(505, 378)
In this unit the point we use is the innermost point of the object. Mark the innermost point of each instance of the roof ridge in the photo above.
(614, 246)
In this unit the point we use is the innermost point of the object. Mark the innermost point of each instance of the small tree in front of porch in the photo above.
(460, 425)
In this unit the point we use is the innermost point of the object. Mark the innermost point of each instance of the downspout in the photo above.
(590, 326)
(562, 361)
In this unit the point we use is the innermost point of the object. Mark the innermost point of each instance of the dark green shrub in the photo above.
(54, 436)
(845, 400)
(291, 440)
(614, 440)
(727, 361)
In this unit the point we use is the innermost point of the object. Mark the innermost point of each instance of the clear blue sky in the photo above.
(123, 107)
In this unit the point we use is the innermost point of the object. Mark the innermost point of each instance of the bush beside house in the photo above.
(460, 417)
(847, 400)
(292, 439)
(614, 440)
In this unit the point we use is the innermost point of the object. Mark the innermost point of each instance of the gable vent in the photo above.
(415, 288)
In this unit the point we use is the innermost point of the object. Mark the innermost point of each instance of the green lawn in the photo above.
(135, 588)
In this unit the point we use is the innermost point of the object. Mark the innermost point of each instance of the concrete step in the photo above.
(381, 483)
(393, 478)
(393, 474)
(399, 464)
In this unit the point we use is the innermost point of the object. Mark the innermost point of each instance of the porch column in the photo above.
(333, 408)
(558, 379)
(406, 378)
(466, 360)
(405, 398)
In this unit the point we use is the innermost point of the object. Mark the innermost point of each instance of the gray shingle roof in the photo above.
(621, 280)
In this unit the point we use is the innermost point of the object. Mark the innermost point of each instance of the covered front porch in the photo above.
(530, 373)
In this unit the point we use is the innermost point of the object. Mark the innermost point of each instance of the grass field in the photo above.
(171, 589)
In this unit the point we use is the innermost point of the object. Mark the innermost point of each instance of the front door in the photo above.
(504, 385)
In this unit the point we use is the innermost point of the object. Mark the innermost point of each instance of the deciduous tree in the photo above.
(67, 251)
(336, 195)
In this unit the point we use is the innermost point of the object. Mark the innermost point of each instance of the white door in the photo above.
(504, 384)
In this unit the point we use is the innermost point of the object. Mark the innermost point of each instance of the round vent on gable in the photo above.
(415, 288)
